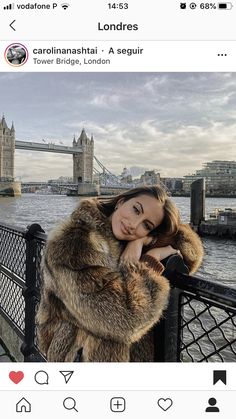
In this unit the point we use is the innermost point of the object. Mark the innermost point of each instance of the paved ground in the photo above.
(4, 356)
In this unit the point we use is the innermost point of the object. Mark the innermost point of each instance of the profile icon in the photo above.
(16, 54)
(212, 405)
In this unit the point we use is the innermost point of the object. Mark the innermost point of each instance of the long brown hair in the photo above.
(171, 220)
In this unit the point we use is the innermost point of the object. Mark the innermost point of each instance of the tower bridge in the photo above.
(82, 152)
(48, 147)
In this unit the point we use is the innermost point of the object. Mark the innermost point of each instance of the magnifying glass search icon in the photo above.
(69, 403)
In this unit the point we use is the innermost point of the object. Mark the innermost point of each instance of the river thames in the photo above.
(47, 210)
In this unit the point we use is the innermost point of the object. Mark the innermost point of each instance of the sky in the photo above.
(170, 122)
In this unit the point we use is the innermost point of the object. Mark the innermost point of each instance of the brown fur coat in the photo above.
(89, 300)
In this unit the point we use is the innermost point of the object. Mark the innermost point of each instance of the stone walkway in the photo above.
(4, 355)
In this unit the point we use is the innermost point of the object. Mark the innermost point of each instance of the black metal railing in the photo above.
(20, 257)
(198, 326)
(200, 322)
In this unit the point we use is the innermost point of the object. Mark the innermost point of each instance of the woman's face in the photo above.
(135, 218)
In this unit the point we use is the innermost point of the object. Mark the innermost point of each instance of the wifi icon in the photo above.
(65, 6)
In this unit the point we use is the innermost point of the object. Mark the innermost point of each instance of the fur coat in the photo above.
(92, 301)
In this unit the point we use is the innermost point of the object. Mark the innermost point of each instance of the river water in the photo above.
(220, 254)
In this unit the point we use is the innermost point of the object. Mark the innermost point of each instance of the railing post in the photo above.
(30, 292)
(167, 332)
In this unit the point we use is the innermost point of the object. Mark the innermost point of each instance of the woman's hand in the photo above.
(147, 240)
(133, 251)
(163, 252)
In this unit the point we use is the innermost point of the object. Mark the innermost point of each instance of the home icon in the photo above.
(23, 406)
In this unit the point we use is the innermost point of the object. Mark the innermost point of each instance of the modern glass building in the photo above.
(220, 176)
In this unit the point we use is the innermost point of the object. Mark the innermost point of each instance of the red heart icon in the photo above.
(16, 376)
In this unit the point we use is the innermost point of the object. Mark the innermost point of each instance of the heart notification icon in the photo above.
(165, 404)
(16, 376)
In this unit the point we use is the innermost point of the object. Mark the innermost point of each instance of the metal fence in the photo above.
(20, 257)
(198, 326)
(200, 323)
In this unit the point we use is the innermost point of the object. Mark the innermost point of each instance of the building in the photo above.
(220, 177)
(125, 176)
(173, 184)
(61, 179)
(83, 162)
(7, 150)
(150, 177)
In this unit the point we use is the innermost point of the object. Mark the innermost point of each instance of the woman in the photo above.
(102, 285)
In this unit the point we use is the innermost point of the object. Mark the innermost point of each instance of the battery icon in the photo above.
(225, 6)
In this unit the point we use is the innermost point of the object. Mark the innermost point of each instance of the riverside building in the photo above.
(150, 177)
(220, 177)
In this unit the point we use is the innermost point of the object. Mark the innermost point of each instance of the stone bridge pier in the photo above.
(83, 165)
(8, 187)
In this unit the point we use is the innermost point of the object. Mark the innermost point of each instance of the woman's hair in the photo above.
(171, 220)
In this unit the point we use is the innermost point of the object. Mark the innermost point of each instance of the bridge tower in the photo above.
(83, 162)
(7, 151)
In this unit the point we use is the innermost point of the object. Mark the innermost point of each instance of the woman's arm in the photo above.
(133, 251)
(187, 242)
(190, 246)
(161, 253)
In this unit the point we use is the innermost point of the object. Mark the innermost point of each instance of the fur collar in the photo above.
(88, 213)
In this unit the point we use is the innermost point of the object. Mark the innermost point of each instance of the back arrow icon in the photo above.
(12, 24)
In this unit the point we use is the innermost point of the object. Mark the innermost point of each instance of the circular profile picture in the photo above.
(16, 55)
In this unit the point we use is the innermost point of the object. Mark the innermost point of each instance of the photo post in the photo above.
(118, 208)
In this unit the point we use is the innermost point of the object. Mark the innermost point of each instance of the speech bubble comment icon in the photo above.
(41, 377)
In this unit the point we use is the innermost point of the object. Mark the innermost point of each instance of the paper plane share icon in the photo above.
(67, 375)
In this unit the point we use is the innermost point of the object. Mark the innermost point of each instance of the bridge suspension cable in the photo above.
(106, 177)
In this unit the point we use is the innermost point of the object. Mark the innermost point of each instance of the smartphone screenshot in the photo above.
(117, 209)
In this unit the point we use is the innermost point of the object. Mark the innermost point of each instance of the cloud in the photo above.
(42, 166)
(171, 122)
(105, 101)
(10, 77)
(175, 152)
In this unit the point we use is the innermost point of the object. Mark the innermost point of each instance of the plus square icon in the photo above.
(117, 404)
